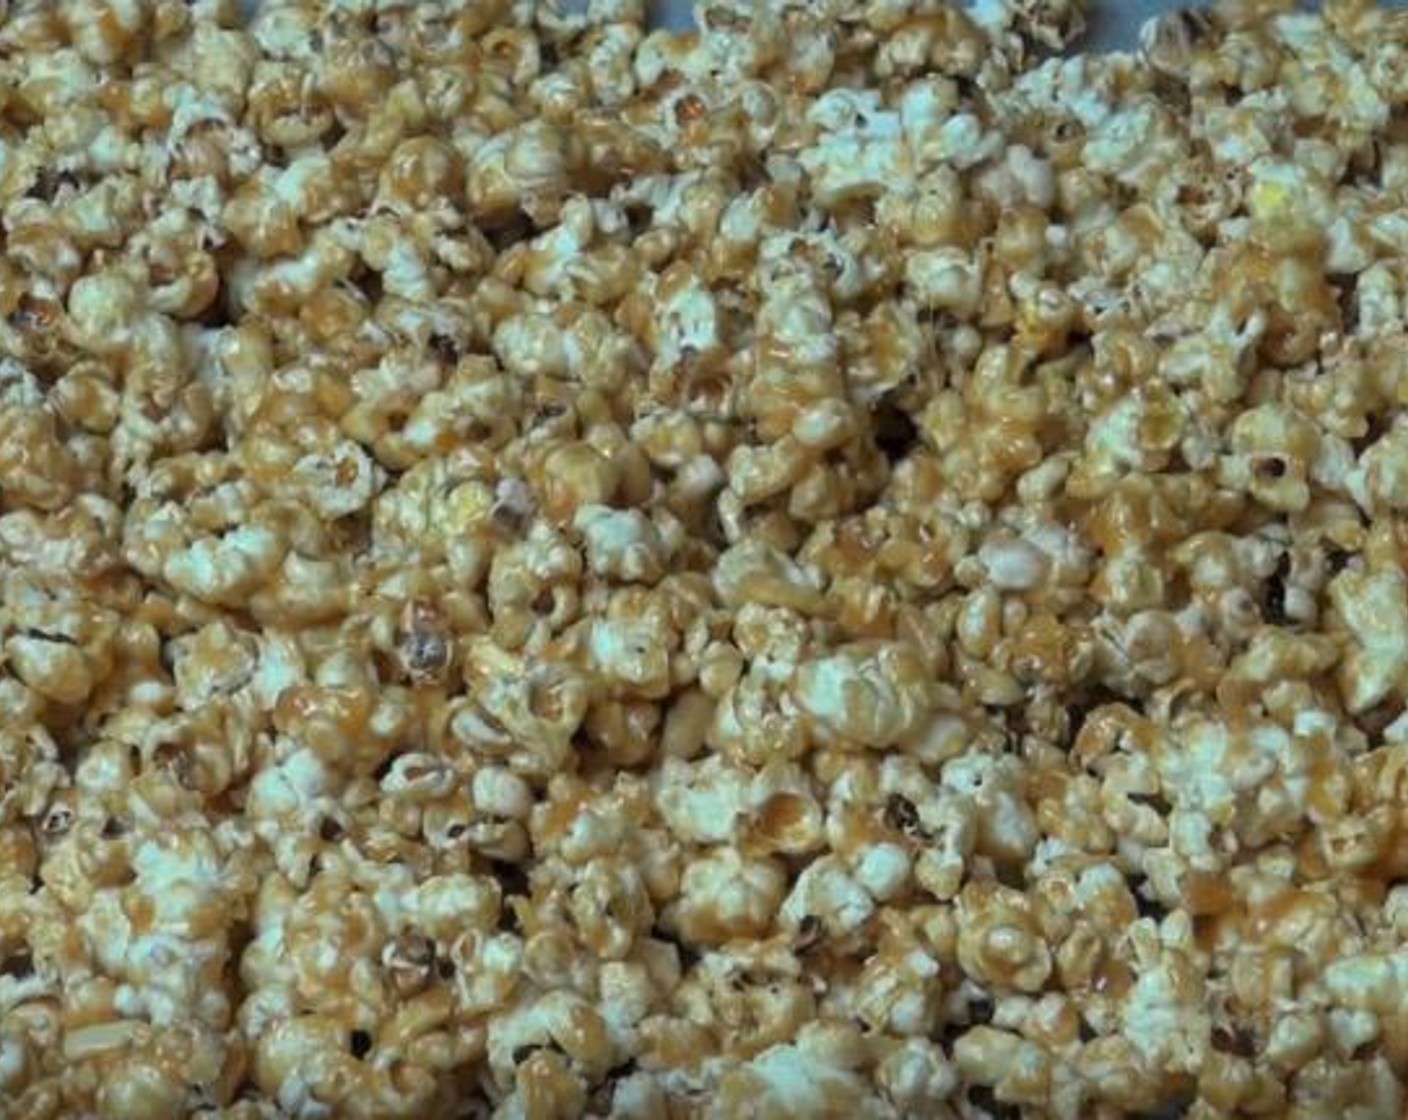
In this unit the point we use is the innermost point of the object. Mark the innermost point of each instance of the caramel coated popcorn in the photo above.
(849, 563)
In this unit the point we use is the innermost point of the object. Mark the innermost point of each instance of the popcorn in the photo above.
(860, 150)
(792, 1079)
(826, 893)
(1013, 565)
(837, 564)
(875, 697)
(1371, 605)
(998, 943)
(621, 543)
(724, 897)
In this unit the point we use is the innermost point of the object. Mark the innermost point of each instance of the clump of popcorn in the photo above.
(845, 562)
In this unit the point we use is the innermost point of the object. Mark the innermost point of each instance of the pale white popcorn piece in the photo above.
(224, 569)
(1375, 609)
(630, 652)
(688, 319)
(924, 108)
(827, 892)
(947, 279)
(445, 905)
(883, 870)
(724, 896)
(339, 483)
(964, 143)
(1013, 565)
(916, 1075)
(874, 695)
(1164, 1018)
(216, 660)
(1125, 144)
(860, 150)
(501, 793)
(621, 544)
(291, 787)
(819, 1069)
(280, 667)
(703, 802)
(1369, 981)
